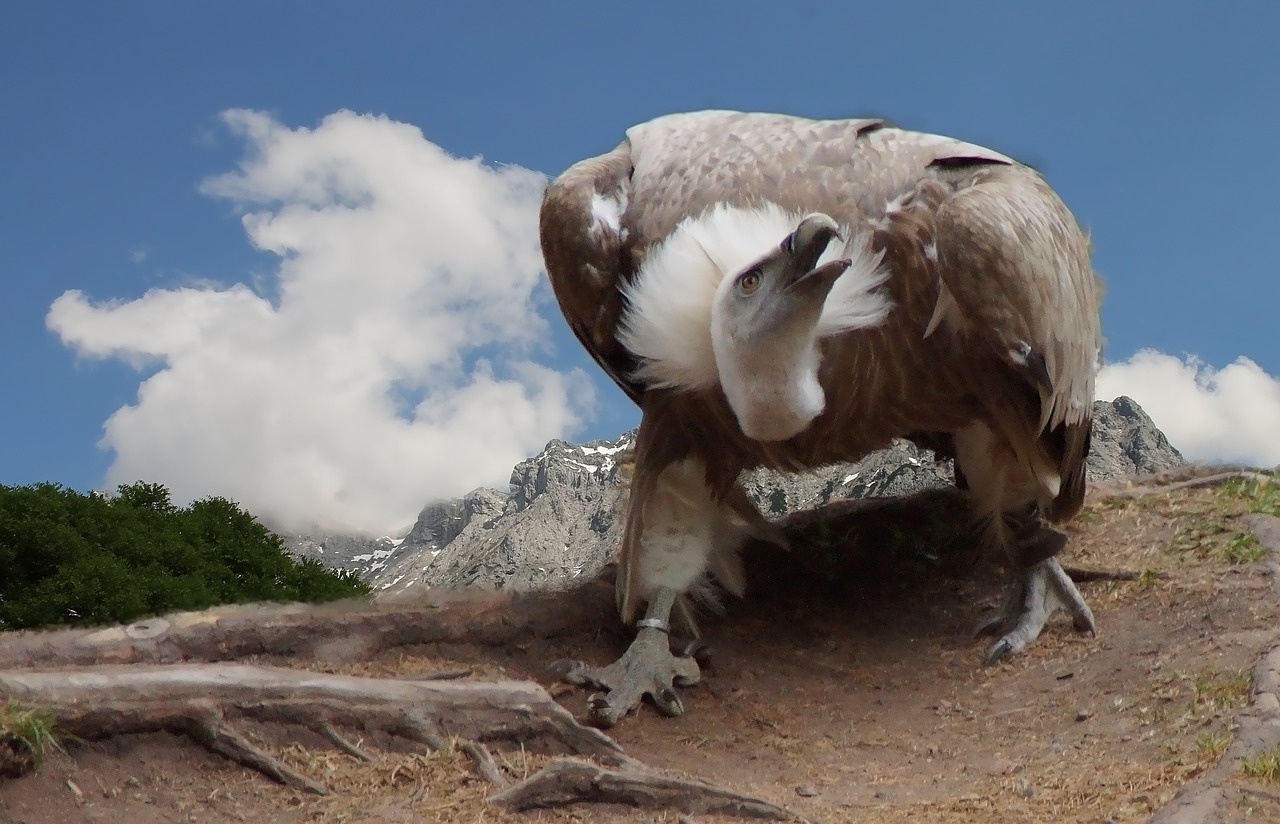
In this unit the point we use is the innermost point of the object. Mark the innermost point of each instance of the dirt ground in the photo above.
(847, 688)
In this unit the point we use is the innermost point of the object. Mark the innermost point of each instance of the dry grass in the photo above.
(1223, 691)
(1213, 745)
(396, 786)
(26, 736)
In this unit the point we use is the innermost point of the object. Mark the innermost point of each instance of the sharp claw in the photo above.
(601, 711)
(685, 671)
(1042, 590)
(668, 701)
(694, 648)
(646, 668)
(997, 651)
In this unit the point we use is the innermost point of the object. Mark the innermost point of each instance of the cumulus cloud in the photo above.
(1230, 414)
(386, 361)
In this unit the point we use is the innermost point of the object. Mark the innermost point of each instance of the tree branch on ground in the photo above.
(570, 781)
(202, 702)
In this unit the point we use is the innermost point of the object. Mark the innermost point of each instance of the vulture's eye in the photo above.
(749, 281)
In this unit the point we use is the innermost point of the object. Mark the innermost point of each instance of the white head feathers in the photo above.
(668, 322)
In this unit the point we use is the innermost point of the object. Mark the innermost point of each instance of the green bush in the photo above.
(71, 558)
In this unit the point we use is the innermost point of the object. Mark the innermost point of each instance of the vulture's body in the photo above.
(944, 293)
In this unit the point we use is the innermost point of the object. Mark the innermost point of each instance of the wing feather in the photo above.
(1016, 265)
(585, 247)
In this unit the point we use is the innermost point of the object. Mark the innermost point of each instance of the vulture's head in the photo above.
(740, 299)
(764, 331)
(778, 299)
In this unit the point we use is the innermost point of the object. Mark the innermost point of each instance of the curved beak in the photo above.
(805, 246)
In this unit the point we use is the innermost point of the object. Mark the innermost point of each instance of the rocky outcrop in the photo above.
(1126, 442)
(440, 523)
(562, 519)
(559, 521)
(367, 556)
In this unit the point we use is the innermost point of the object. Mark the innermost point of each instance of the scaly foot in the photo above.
(646, 668)
(1029, 601)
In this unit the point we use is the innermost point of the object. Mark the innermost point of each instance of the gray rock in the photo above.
(365, 556)
(1126, 442)
(901, 469)
(440, 523)
(560, 521)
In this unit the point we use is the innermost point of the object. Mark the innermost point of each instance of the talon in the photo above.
(693, 648)
(699, 651)
(1043, 589)
(997, 651)
(668, 701)
(601, 712)
(647, 668)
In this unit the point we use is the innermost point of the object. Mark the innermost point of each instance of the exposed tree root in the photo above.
(355, 630)
(202, 700)
(485, 764)
(220, 738)
(569, 781)
(336, 738)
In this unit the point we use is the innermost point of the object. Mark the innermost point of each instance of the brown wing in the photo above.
(1016, 265)
(584, 246)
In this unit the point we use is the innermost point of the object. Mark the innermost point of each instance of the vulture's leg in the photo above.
(673, 528)
(1029, 601)
(1004, 500)
(646, 668)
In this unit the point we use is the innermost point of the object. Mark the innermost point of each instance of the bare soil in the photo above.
(847, 687)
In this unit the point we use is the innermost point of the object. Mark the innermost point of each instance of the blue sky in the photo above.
(122, 176)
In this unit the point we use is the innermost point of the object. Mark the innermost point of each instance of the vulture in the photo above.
(776, 291)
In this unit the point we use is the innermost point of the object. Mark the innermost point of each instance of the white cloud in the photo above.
(387, 363)
(1230, 414)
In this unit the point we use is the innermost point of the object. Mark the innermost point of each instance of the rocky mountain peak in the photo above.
(562, 516)
(566, 464)
(1127, 442)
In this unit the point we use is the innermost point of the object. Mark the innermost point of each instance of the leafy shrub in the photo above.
(71, 558)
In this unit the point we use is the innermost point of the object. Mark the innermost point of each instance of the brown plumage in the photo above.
(988, 345)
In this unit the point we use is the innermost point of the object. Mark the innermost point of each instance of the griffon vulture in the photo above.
(784, 292)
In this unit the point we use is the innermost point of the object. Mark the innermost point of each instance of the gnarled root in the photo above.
(569, 781)
(201, 701)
